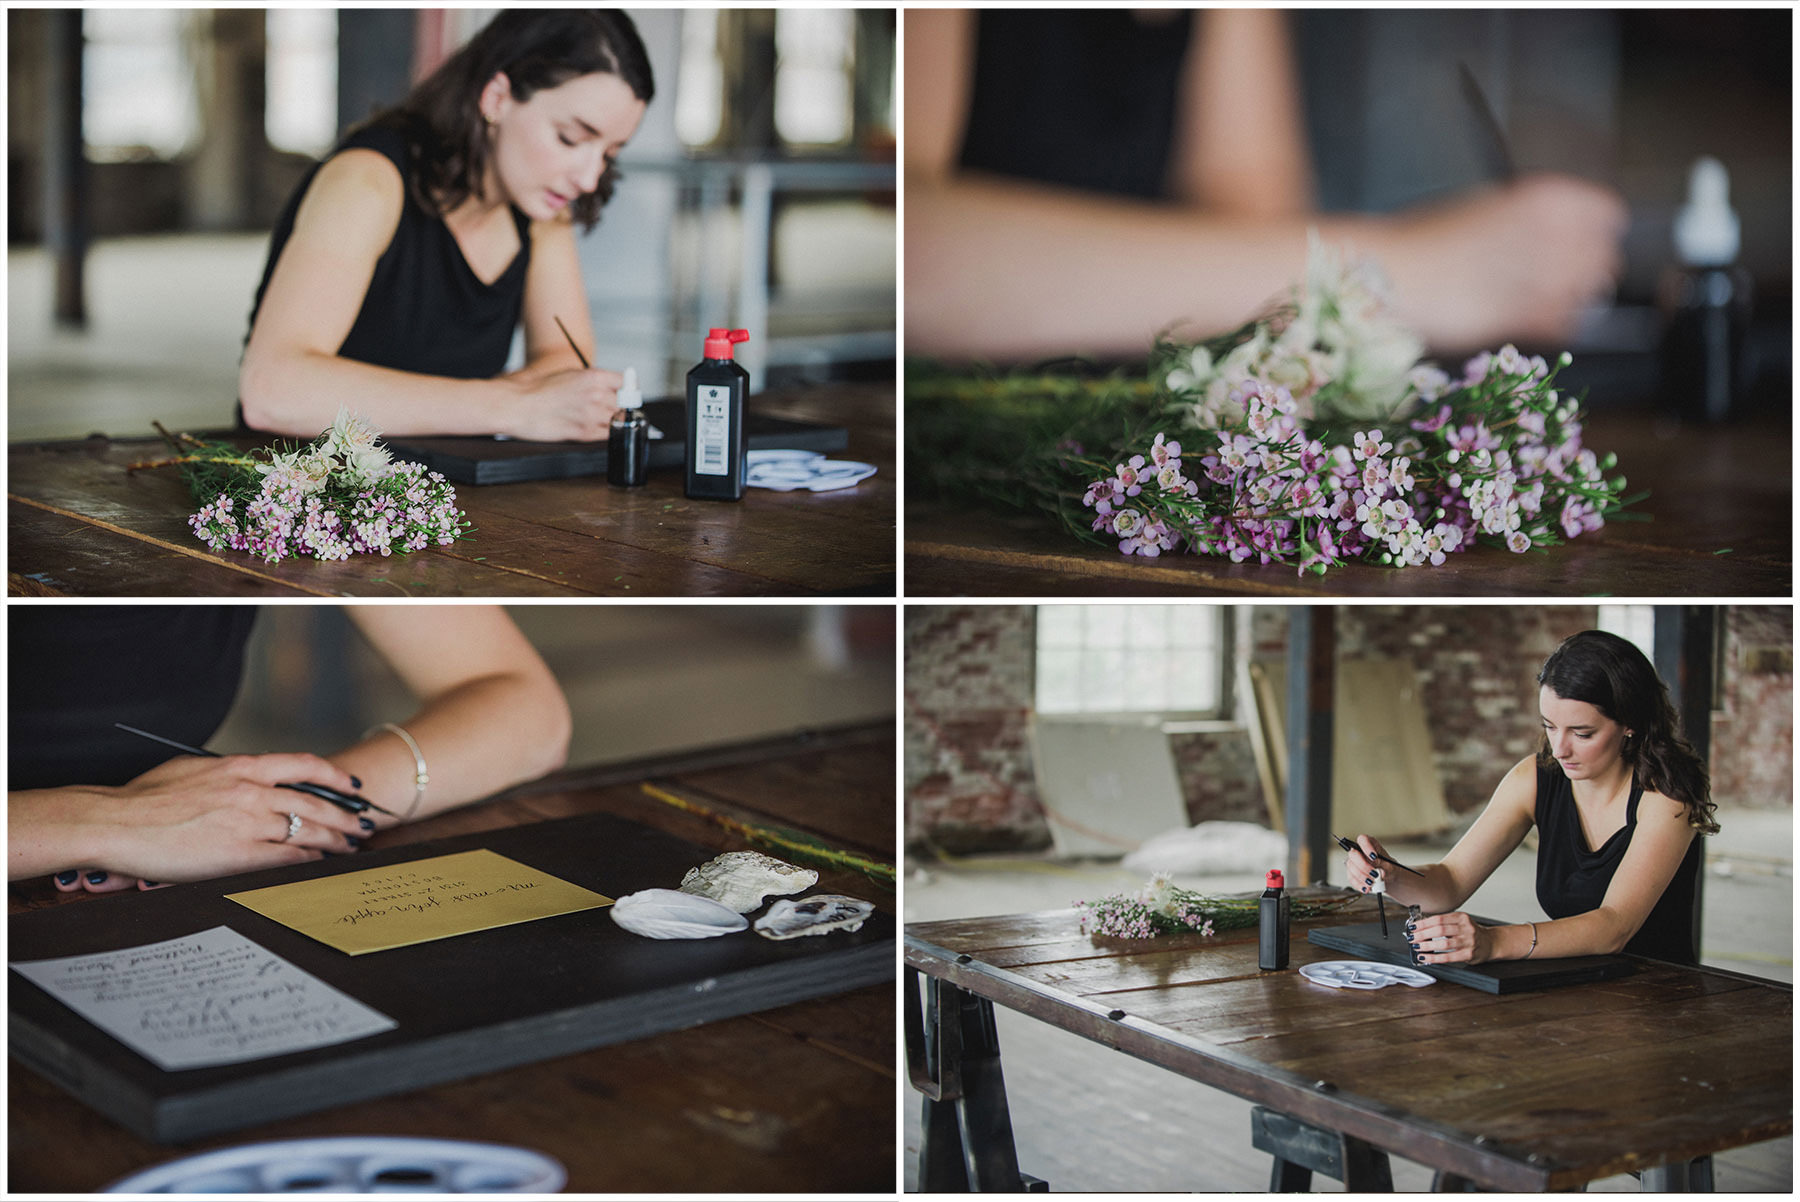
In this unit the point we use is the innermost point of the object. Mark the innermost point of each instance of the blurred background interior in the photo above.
(1057, 753)
(150, 150)
(745, 672)
(1628, 98)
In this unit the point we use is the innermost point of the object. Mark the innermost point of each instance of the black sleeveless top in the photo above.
(1084, 98)
(74, 670)
(426, 311)
(1571, 879)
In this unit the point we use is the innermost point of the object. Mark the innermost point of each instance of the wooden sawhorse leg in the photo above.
(953, 1058)
(1301, 1149)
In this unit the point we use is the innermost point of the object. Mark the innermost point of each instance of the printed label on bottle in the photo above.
(712, 430)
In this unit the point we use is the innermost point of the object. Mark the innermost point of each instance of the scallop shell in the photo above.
(671, 914)
(742, 879)
(813, 916)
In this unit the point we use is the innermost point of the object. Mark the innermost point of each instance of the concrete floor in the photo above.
(1088, 1119)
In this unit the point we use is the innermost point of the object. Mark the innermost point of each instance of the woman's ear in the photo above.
(496, 94)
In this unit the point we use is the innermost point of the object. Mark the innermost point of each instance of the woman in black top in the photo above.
(402, 266)
(100, 809)
(1617, 796)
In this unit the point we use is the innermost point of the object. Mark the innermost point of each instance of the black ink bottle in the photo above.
(717, 440)
(1272, 924)
(628, 437)
(1708, 303)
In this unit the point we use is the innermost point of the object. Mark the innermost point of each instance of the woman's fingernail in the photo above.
(353, 841)
(1414, 946)
(151, 885)
(356, 782)
(96, 878)
(366, 824)
(67, 878)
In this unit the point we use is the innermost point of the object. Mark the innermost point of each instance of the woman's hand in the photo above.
(566, 406)
(193, 818)
(1362, 870)
(1452, 938)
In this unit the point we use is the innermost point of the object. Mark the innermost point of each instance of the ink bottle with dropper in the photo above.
(1707, 300)
(716, 438)
(628, 437)
(1272, 924)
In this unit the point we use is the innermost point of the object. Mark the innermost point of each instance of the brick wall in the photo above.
(1753, 725)
(969, 690)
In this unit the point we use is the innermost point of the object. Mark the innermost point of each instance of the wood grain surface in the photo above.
(81, 524)
(1720, 524)
(1529, 1091)
(797, 1099)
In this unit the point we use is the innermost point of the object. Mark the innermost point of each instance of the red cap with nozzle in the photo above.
(718, 342)
(1273, 879)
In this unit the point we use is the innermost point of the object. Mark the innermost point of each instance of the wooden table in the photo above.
(1527, 1091)
(78, 524)
(800, 1098)
(1720, 505)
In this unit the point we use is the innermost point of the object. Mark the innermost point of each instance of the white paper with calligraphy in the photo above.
(205, 999)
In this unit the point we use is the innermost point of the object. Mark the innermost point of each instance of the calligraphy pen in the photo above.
(571, 338)
(1500, 155)
(1380, 898)
(343, 801)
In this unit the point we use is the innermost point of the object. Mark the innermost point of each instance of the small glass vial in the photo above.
(628, 437)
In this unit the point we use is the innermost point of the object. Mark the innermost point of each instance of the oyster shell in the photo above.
(813, 916)
(742, 879)
(671, 914)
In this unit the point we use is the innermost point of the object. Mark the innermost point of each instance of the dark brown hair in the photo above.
(1613, 676)
(448, 141)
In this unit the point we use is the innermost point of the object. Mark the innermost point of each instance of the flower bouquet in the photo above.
(1164, 908)
(1313, 436)
(340, 495)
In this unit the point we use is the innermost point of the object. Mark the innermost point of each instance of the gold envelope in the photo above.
(418, 901)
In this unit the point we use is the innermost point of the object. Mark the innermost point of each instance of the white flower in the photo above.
(1194, 373)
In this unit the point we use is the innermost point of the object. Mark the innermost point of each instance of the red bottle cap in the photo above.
(1273, 879)
(718, 342)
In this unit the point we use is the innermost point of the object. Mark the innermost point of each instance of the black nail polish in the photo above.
(355, 782)
(1414, 946)
(67, 878)
(96, 878)
(151, 885)
(353, 841)
(366, 824)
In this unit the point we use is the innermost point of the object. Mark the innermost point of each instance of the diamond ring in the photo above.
(293, 827)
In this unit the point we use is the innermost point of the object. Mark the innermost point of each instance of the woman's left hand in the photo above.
(1452, 938)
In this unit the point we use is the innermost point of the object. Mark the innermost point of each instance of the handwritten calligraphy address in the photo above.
(381, 908)
(205, 999)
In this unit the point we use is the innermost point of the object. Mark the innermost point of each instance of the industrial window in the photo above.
(1169, 660)
(815, 63)
(301, 109)
(1635, 623)
(700, 82)
(138, 83)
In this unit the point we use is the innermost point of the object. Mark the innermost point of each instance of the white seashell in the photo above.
(671, 914)
(813, 916)
(742, 879)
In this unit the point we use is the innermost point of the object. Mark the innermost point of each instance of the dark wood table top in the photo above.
(1525, 1091)
(1720, 510)
(79, 525)
(800, 1098)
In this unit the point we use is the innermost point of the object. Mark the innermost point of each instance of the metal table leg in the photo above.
(953, 1058)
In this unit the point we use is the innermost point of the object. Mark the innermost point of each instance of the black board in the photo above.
(1499, 976)
(483, 460)
(466, 1005)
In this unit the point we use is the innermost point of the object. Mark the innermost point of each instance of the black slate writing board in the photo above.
(481, 460)
(466, 1005)
(1500, 976)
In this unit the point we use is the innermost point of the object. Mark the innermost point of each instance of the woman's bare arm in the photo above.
(491, 713)
(1006, 269)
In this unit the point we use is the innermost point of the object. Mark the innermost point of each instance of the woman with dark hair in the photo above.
(1617, 796)
(404, 262)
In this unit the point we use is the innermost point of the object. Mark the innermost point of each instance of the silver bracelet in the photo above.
(420, 777)
(1533, 946)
